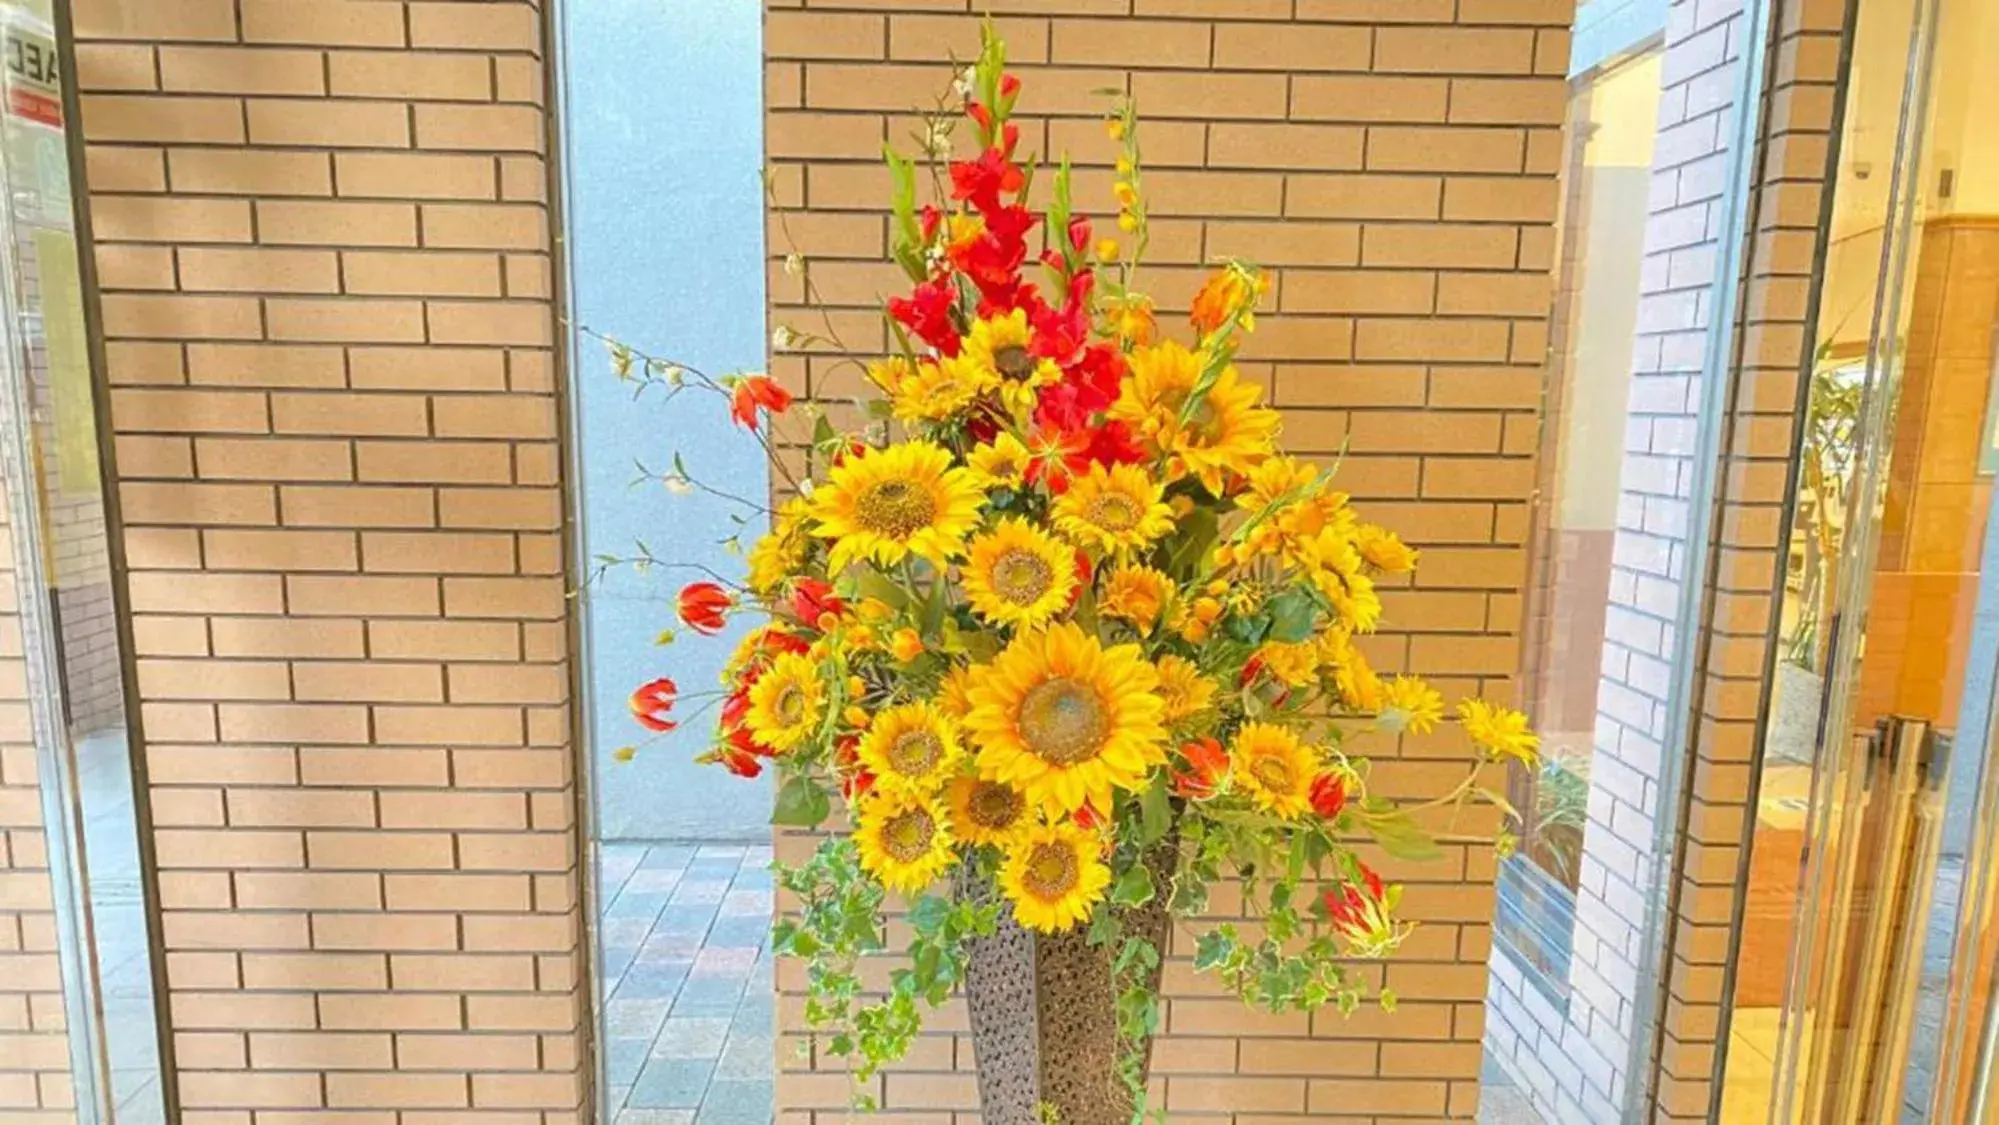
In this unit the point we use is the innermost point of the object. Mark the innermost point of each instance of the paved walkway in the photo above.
(687, 980)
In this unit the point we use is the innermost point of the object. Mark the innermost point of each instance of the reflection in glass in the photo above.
(63, 652)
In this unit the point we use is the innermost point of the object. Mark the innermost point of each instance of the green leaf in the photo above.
(801, 803)
(1134, 887)
(1400, 837)
(1155, 816)
(1213, 948)
(1292, 614)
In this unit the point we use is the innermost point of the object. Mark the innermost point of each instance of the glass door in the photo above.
(1868, 939)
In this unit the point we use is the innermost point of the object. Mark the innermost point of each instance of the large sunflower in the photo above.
(1018, 574)
(911, 746)
(885, 504)
(1116, 510)
(1055, 874)
(999, 348)
(787, 703)
(986, 812)
(1064, 720)
(1274, 768)
(904, 839)
(1227, 432)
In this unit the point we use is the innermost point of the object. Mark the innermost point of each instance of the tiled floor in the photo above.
(687, 983)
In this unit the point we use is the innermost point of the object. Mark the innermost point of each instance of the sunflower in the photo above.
(1018, 574)
(1408, 703)
(886, 504)
(1183, 688)
(1066, 720)
(1115, 509)
(1055, 875)
(1500, 731)
(999, 349)
(986, 812)
(787, 703)
(911, 746)
(929, 390)
(1384, 550)
(1226, 432)
(1274, 768)
(1002, 461)
(1136, 594)
(781, 553)
(1294, 664)
(904, 839)
(1354, 679)
(953, 698)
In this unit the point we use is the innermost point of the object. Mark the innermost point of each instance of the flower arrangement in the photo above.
(1065, 628)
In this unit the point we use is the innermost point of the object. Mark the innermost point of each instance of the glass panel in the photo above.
(1872, 841)
(69, 638)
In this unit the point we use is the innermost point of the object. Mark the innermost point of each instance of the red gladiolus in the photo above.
(1207, 763)
(1009, 85)
(1329, 794)
(812, 599)
(757, 391)
(651, 703)
(1085, 574)
(705, 607)
(981, 182)
(739, 761)
(926, 312)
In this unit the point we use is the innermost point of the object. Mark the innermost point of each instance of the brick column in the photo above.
(1393, 164)
(322, 231)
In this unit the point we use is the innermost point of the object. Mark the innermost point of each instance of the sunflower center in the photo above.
(895, 508)
(1113, 511)
(994, 806)
(1052, 870)
(1022, 577)
(1062, 722)
(915, 753)
(906, 836)
(789, 706)
(1274, 773)
(1013, 362)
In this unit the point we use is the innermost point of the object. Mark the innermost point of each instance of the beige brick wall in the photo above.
(35, 1087)
(323, 236)
(1393, 163)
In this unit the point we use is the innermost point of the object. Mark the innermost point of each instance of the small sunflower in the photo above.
(1115, 510)
(887, 504)
(1066, 720)
(911, 746)
(904, 839)
(1354, 679)
(986, 812)
(1408, 703)
(1182, 687)
(1294, 664)
(1384, 550)
(787, 703)
(929, 390)
(1003, 461)
(782, 552)
(1274, 768)
(1226, 432)
(1018, 574)
(1137, 594)
(1500, 731)
(1055, 875)
(999, 348)
(953, 698)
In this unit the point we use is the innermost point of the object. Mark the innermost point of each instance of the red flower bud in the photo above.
(755, 391)
(1207, 763)
(1329, 794)
(651, 703)
(812, 600)
(705, 606)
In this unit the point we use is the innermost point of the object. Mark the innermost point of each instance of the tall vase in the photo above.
(1044, 1022)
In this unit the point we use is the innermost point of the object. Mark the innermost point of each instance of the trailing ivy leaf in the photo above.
(801, 803)
(1213, 948)
(1134, 887)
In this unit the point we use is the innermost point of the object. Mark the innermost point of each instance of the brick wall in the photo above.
(322, 232)
(1393, 164)
(35, 1086)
